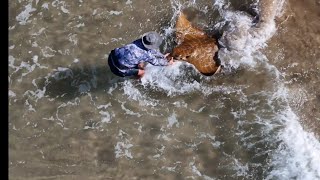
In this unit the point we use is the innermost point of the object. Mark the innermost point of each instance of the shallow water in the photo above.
(71, 118)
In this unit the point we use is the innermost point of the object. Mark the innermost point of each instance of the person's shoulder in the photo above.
(155, 51)
(137, 41)
(139, 44)
(126, 47)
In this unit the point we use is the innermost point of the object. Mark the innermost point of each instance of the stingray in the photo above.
(196, 47)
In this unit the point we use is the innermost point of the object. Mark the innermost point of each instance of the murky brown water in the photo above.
(298, 44)
(71, 118)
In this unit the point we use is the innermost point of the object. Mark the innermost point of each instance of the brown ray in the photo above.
(195, 47)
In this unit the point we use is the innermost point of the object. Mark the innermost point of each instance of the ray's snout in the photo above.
(179, 56)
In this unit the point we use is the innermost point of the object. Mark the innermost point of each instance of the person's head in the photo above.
(151, 40)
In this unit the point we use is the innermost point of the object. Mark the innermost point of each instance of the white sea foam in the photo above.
(37, 94)
(39, 32)
(128, 2)
(180, 79)
(173, 120)
(298, 156)
(105, 116)
(168, 79)
(23, 17)
(12, 94)
(133, 93)
(73, 38)
(240, 32)
(64, 10)
(45, 6)
(11, 60)
(129, 112)
(241, 36)
(115, 12)
(47, 52)
(122, 148)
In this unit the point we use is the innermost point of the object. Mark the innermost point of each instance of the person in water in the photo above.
(130, 60)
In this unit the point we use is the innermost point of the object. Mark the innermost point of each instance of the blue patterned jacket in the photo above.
(130, 55)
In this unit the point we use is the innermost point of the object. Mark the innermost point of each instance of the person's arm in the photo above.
(156, 53)
(156, 58)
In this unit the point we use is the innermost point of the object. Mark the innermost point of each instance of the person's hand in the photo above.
(140, 73)
(170, 62)
(168, 57)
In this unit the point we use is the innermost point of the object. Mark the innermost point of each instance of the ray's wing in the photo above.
(184, 29)
(202, 57)
(195, 47)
